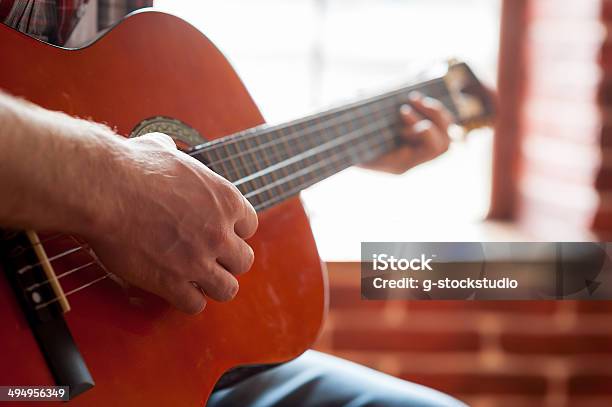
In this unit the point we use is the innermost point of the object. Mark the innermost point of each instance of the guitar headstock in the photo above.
(473, 101)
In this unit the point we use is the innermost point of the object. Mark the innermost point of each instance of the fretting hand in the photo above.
(424, 133)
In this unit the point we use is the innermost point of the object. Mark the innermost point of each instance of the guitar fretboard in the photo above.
(271, 164)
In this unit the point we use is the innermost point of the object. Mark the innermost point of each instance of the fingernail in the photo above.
(234, 290)
(415, 95)
(202, 306)
(429, 102)
(405, 109)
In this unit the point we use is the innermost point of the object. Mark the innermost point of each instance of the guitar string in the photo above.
(286, 193)
(258, 192)
(322, 148)
(275, 154)
(313, 167)
(49, 238)
(95, 281)
(296, 134)
(270, 156)
(79, 246)
(60, 276)
(74, 291)
(298, 188)
(50, 259)
(336, 157)
(328, 124)
(251, 133)
(252, 193)
(264, 173)
(291, 161)
(267, 171)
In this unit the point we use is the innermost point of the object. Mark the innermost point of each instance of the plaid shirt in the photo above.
(53, 20)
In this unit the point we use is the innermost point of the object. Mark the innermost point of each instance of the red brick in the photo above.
(543, 209)
(603, 181)
(606, 10)
(582, 174)
(594, 307)
(605, 57)
(605, 136)
(582, 133)
(350, 297)
(551, 90)
(587, 401)
(602, 222)
(564, 344)
(564, 9)
(482, 383)
(533, 307)
(381, 340)
(590, 384)
(604, 93)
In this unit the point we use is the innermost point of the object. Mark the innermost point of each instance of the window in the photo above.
(300, 56)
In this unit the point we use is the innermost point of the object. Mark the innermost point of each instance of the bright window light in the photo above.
(300, 56)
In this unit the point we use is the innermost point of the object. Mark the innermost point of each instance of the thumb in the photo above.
(159, 139)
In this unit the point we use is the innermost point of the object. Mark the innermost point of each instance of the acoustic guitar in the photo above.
(66, 321)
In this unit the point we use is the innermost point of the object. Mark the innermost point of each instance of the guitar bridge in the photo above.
(24, 269)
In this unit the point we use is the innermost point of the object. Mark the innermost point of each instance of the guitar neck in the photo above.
(271, 164)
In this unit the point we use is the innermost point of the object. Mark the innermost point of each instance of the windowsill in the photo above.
(342, 242)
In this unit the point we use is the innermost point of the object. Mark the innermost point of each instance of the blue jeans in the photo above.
(317, 379)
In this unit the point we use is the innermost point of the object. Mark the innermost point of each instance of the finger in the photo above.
(396, 162)
(216, 282)
(433, 109)
(159, 138)
(187, 298)
(409, 116)
(239, 257)
(428, 140)
(418, 133)
(246, 226)
(419, 130)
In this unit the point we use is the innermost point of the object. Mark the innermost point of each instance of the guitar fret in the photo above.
(243, 164)
(277, 152)
(291, 131)
(270, 164)
(253, 144)
(268, 177)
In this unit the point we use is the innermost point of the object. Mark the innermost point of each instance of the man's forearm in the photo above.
(67, 175)
(43, 155)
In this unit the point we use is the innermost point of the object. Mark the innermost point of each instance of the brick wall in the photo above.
(485, 353)
(556, 122)
(553, 173)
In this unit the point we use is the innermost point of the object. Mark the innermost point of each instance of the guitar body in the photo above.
(139, 350)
